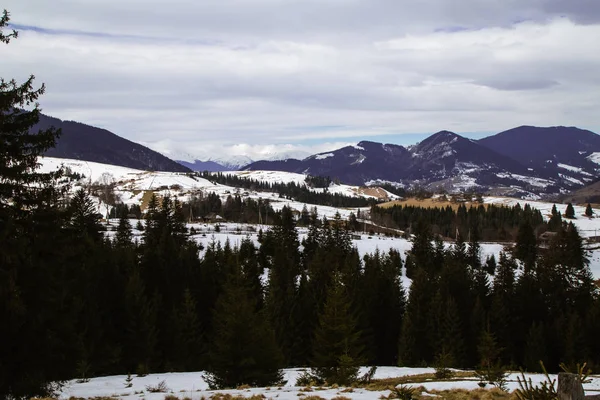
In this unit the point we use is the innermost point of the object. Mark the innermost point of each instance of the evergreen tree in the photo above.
(452, 336)
(30, 220)
(140, 331)
(588, 211)
(535, 348)
(526, 245)
(244, 349)
(337, 351)
(414, 348)
(555, 221)
(570, 211)
(188, 344)
(124, 236)
(281, 289)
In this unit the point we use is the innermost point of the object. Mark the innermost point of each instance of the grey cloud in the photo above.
(260, 71)
(516, 84)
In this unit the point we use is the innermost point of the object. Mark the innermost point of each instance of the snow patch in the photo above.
(323, 156)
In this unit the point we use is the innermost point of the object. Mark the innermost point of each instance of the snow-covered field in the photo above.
(587, 226)
(131, 184)
(193, 386)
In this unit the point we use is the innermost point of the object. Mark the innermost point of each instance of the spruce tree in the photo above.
(570, 211)
(414, 346)
(29, 228)
(588, 211)
(140, 331)
(188, 341)
(555, 221)
(243, 349)
(535, 348)
(337, 351)
(526, 245)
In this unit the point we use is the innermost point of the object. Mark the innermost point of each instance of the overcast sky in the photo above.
(214, 77)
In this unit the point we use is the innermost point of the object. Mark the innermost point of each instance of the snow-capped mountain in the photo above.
(449, 161)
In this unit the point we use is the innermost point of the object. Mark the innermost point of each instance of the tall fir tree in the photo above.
(30, 220)
(337, 350)
(244, 349)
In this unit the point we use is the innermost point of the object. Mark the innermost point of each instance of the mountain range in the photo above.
(525, 162)
(84, 142)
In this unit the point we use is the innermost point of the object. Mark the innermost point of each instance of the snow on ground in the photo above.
(537, 182)
(194, 386)
(594, 157)
(132, 182)
(587, 226)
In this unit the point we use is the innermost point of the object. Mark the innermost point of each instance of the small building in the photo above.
(213, 218)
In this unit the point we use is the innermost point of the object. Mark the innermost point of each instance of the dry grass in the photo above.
(146, 199)
(427, 203)
(389, 383)
(228, 396)
(374, 191)
(478, 394)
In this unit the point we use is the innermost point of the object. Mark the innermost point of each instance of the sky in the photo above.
(213, 78)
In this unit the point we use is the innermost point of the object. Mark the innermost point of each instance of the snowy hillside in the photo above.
(131, 184)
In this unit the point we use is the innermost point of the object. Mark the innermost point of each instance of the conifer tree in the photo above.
(589, 212)
(29, 225)
(337, 351)
(535, 348)
(188, 344)
(570, 211)
(502, 306)
(526, 245)
(414, 345)
(124, 236)
(281, 289)
(452, 337)
(140, 331)
(555, 221)
(244, 349)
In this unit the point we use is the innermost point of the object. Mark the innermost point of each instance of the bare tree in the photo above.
(104, 189)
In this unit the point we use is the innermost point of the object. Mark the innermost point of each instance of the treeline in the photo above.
(291, 190)
(494, 223)
(117, 305)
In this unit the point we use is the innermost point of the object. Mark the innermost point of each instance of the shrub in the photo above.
(404, 392)
(160, 387)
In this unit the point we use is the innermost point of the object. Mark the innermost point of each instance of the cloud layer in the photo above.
(233, 76)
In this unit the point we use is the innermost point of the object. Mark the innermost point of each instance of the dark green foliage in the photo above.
(337, 351)
(30, 220)
(244, 349)
(535, 349)
(490, 368)
(414, 345)
(292, 190)
(570, 211)
(555, 221)
(526, 245)
(588, 210)
(489, 223)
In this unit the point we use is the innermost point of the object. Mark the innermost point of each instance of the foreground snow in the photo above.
(193, 386)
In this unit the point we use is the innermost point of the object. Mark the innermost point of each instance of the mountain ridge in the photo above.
(88, 143)
(448, 161)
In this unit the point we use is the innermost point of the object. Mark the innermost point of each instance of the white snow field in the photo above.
(131, 184)
(192, 385)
